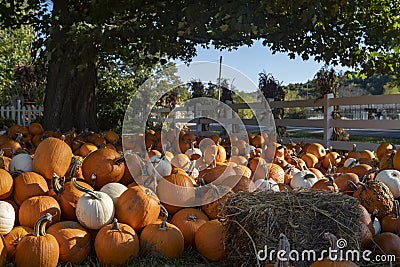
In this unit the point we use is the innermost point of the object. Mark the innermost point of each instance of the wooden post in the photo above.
(328, 130)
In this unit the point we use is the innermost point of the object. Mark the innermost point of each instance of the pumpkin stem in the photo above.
(352, 185)
(121, 159)
(76, 164)
(354, 147)
(40, 225)
(93, 179)
(192, 217)
(309, 176)
(115, 225)
(164, 213)
(373, 214)
(191, 167)
(331, 180)
(57, 183)
(396, 213)
(84, 189)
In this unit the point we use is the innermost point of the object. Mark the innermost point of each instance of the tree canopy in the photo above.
(360, 34)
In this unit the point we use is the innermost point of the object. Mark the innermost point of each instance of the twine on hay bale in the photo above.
(255, 221)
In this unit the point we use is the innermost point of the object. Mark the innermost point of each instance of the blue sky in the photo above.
(252, 60)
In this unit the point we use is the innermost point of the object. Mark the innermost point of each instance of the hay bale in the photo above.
(255, 220)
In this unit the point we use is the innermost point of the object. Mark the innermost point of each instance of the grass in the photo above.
(190, 258)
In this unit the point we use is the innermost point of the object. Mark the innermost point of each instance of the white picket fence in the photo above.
(20, 114)
(327, 123)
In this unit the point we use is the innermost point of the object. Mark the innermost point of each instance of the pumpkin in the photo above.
(3, 251)
(326, 262)
(52, 156)
(209, 240)
(303, 179)
(114, 190)
(266, 185)
(387, 161)
(21, 163)
(317, 150)
(12, 239)
(105, 164)
(391, 178)
(87, 148)
(396, 160)
(162, 239)
(342, 181)
(332, 159)
(145, 204)
(29, 184)
(6, 184)
(375, 195)
(189, 220)
(276, 173)
(34, 207)
(73, 240)
(327, 184)
(111, 137)
(38, 249)
(387, 244)
(68, 195)
(176, 191)
(159, 165)
(214, 152)
(35, 128)
(194, 153)
(116, 244)
(10, 147)
(180, 161)
(94, 209)
(210, 174)
(213, 198)
(134, 167)
(384, 149)
(257, 141)
(310, 159)
(391, 222)
(7, 217)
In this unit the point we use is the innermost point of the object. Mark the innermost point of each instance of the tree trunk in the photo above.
(70, 98)
(71, 81)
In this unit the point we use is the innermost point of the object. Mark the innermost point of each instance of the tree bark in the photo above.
(71, 81)
(70, 98)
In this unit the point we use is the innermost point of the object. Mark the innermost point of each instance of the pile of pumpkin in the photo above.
(65, 196)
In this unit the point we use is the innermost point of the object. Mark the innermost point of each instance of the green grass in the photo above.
(190, 258)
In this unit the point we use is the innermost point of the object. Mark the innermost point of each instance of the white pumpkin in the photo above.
(350, 162)
(21, 163)
(7, 217)
(392, 179)
(94, 209)
(303, 179)
(158, 164)
(266, 185)
(114, 190)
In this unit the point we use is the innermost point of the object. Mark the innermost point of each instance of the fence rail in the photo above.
(22, 115)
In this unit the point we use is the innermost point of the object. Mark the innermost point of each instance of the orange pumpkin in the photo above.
(189, 220)
(105, 164)
(162, 239)
(213, 198)
(13, 238)
(73, 239)
(116, 243)
(34, 207)
(6, 184)
(29, 184)
(38, 249)
(143, 201)
(209, 239)
(52, 156)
